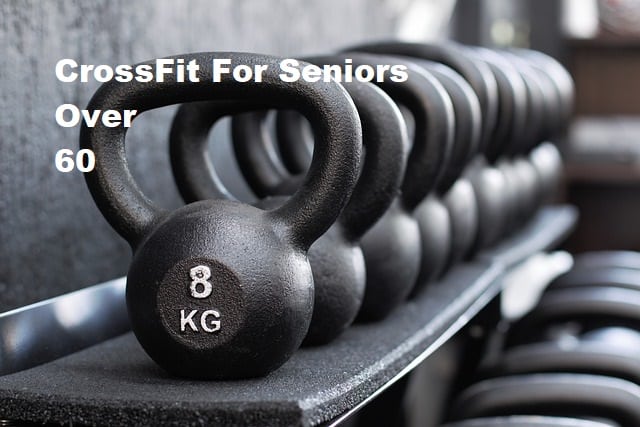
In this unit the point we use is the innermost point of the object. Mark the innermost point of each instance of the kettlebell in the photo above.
(258, 159)
(547, 161)
(590, 306)
(508, 137)
(336, 259)
(451, 55)
(393, 246)
(219, 289)
(544, 156)
(294, 141)
(537, 121)
(559, 76)
(597, 275)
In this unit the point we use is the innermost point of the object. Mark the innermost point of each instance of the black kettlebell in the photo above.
(431, 109)
(527, 421)
(547, 161)
(554, 394)
(220, 289)
(336, 258)
(561, 79)
(524, 174)
(509, 136)
(451, 55)
(488, 183)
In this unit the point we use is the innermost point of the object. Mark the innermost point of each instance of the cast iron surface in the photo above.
(116, 383)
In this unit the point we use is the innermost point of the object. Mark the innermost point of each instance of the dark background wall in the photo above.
(52, 238)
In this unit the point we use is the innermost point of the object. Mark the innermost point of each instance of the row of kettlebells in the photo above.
(454, 159)
(575, 355)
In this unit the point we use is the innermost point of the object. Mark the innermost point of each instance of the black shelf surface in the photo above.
(116, 383)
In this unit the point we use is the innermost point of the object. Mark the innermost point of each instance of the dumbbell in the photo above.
(528, 421)
(558, 95)
(515, 122)
(606, 259)
(590, 276)
(557, 394)
(336, 258)
(393, 248)
(220, 289)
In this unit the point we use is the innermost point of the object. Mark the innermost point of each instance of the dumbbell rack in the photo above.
(116, 383)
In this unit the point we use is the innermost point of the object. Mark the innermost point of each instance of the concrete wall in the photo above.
(52, 238)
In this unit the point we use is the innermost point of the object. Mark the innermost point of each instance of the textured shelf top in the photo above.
(116, 383)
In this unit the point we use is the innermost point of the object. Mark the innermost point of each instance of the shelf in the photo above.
(116, 383)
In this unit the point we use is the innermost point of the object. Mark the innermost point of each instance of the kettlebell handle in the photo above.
(306, 215)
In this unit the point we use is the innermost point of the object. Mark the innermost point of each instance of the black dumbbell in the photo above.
(528, 421)
(609, 351)
(590, 306)
(392, 248)
(605, 259)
